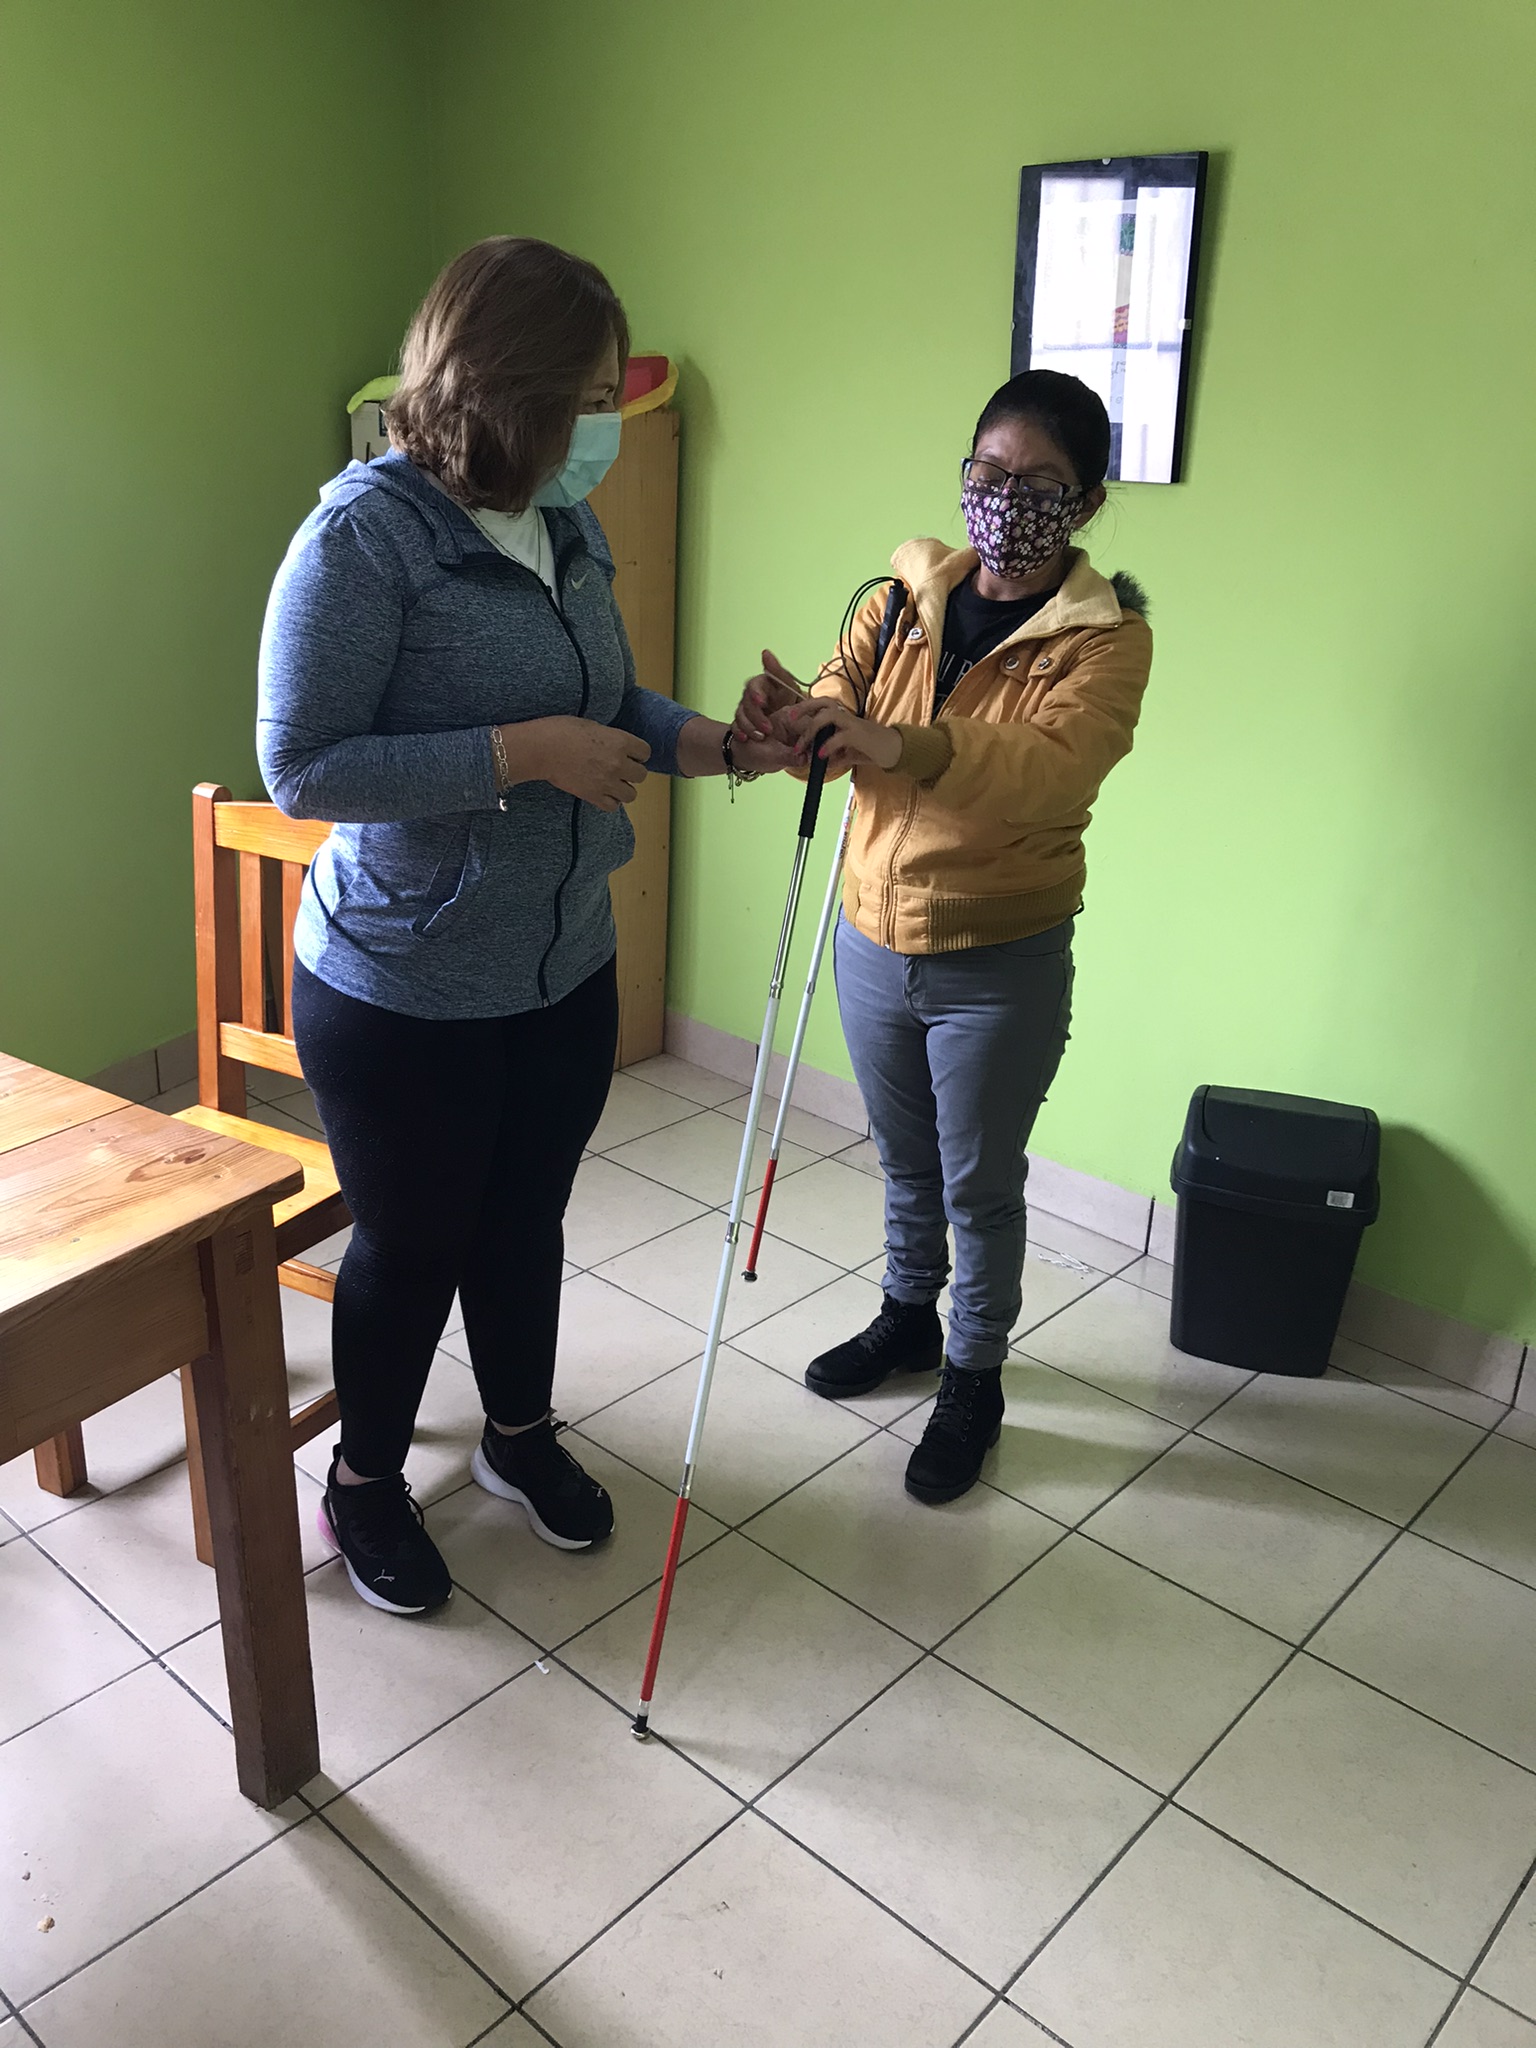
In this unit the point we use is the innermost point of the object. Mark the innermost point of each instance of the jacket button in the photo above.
(1012, 661)
(1044, 662)
(916, 633)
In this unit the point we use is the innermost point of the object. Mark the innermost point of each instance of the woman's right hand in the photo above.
(598, 763)
(774, 690)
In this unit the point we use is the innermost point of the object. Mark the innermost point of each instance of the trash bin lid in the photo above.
(1280, 1153)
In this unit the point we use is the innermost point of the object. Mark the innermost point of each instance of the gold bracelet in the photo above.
(735, 778)
(501, 767)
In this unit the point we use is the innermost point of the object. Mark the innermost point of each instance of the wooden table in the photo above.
(131, 1244)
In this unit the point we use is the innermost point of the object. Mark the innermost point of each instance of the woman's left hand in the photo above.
(851, 739)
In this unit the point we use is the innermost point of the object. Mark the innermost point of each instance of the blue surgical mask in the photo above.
(594, 449)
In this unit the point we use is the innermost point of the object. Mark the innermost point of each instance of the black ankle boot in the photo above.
(966, 1422)
(905, 1337)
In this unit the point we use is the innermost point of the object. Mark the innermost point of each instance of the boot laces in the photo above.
(954, 1412)
(887, 1323)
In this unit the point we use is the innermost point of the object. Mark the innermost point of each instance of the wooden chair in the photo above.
(248, 869)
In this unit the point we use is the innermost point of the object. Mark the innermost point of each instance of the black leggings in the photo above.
(456, 1144)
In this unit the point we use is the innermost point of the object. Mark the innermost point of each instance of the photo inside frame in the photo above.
(1104, 285)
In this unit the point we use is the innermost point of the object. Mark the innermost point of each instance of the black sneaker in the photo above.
(565, 1507)
(966, 1422)
(905, 1337)
(376, 1529)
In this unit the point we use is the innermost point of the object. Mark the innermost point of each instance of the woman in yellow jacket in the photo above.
(1011, 687)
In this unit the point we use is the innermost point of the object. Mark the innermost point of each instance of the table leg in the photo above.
(202, 1536)
(60, 1463)
(241, 1394)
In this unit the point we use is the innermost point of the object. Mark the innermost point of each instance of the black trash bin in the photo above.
(1274, 1194)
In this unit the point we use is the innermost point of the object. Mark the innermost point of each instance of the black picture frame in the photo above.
(1079, 313)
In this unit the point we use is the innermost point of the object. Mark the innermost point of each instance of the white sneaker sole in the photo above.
(485, 1474)
(328, 1537)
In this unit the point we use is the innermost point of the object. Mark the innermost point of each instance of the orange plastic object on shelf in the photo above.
(649, 381)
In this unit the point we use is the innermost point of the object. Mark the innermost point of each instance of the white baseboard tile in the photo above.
(1100, 1205)
(720, 1052)
(1160, 1238)
(1439, 1343)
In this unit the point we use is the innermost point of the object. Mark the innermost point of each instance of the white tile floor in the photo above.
(1209, 1718)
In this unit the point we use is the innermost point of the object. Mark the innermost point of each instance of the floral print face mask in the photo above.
(1012, 529)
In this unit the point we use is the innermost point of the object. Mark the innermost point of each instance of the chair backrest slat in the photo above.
(262, 828)
(249, 863)
(293, 888)
(253, 987)
(216, 894)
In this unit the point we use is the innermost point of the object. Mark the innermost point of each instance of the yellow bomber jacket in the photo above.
(976, 836)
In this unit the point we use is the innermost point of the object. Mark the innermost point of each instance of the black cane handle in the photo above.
(814, 781)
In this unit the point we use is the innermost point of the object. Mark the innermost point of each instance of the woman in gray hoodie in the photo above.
(445, 672)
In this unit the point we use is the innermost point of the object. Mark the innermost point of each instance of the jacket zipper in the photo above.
(586, 698)
(905, 827)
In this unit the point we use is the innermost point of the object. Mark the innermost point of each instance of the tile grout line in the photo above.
(321, 1817)
(1074, 1528)
(215, 1877)
(980, 2020)
(1467, 1986)
(1170, 1798)
(1306, 1885)
(1001, 2004)
(13, 2012)
(53, 1713)
(500, 2020)
(746, 1806)
(924, 1651)
(1483, 1429)
(609, 1925)
(853, 1885)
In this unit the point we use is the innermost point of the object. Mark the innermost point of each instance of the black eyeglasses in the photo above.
(1045, 490)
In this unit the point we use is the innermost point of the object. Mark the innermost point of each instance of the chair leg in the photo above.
(202, 1533)
(60, 1463)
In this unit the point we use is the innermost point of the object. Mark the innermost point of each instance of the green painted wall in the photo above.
(210, 232)
(1317, 871)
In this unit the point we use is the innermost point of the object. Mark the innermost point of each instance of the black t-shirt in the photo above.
(974, 625)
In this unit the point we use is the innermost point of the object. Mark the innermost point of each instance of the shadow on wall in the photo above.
(1475, 1259)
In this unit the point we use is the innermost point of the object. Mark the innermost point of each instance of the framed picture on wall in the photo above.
(1104, 288)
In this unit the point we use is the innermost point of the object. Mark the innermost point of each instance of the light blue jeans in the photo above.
(954, 1053)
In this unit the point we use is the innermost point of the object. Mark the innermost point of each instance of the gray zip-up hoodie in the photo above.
(396, 636)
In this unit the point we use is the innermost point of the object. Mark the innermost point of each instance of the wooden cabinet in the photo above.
(637, 504)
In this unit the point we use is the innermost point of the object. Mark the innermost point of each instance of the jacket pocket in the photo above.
(607, 839)
(456, 879)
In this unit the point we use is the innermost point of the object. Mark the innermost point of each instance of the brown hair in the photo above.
(495, 364)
